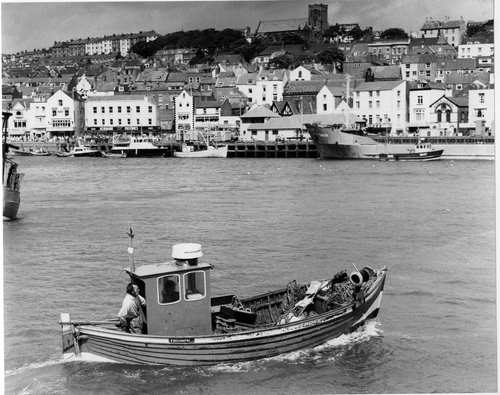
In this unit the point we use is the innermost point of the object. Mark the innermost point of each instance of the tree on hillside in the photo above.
(332, 56)
(393, 32)
(282, 61)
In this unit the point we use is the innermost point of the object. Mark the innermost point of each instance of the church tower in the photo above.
(318, 16)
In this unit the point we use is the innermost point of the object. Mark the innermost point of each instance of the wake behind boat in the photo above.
(187, 326)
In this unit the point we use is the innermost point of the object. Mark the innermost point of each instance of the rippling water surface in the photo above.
(262, 223)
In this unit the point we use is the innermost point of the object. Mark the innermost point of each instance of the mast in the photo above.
(131, 249)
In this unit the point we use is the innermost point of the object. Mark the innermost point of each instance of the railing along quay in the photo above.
(266, 149)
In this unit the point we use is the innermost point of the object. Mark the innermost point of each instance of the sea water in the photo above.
(262, 223)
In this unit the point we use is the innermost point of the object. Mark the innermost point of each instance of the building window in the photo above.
(110, 110)
(138, 109)
(95, 121)
(128, 109)
(481, 98)
(54, 113)
(60, 102)
(119, 109)
(128, 121)
(324, 106)
(94, 109)
(150, 108)
(138, 121)
(420, 99)
(103, 110)
(150, 121)
(66, 113)
(111, 122)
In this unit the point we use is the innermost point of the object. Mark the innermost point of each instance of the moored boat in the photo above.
(11, 178)
(113, 154)
(212, 151)
(80, 151)
(186, 326)
(421, 152)
(136, 146)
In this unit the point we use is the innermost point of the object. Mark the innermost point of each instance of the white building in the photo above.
(453, 31)
(60, 114)
(184, 112)
(300, 73)
(19, 123)
(269, 86)
(329, 97)
(482, 108)
(476, 49)
(128, 112)
(382, 104)
(419, 102)
(247, 84)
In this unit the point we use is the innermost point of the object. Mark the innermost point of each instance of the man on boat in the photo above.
(131, 315)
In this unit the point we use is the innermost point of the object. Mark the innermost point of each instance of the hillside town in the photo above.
(438, 81)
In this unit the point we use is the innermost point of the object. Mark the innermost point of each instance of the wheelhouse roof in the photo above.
(169, 267)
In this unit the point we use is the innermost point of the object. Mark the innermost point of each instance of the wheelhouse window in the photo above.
(168, 289)
(194, 285)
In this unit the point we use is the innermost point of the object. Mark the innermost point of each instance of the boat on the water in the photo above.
(11, 178)
(114, 154)
(211, 151)
(337, 142)
(136, 146)
(37, 151)
(80, 151)
(21, 152)
(421, 152)
(187, 326)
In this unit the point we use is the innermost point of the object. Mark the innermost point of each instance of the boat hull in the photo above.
(140, 152)
(100, 344)
(333, 143)
(413, 156)
(11, 202)
(212, 152)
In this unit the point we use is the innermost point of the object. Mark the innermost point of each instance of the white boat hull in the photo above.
(211, 152)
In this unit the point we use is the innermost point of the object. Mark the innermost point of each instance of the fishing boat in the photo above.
(11, 178)
(114, 154)
(187, 326)
(211, 151)
(421, 152)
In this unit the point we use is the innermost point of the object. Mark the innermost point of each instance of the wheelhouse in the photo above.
(177, 293)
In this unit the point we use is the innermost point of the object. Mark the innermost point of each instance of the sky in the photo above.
(35, 25)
